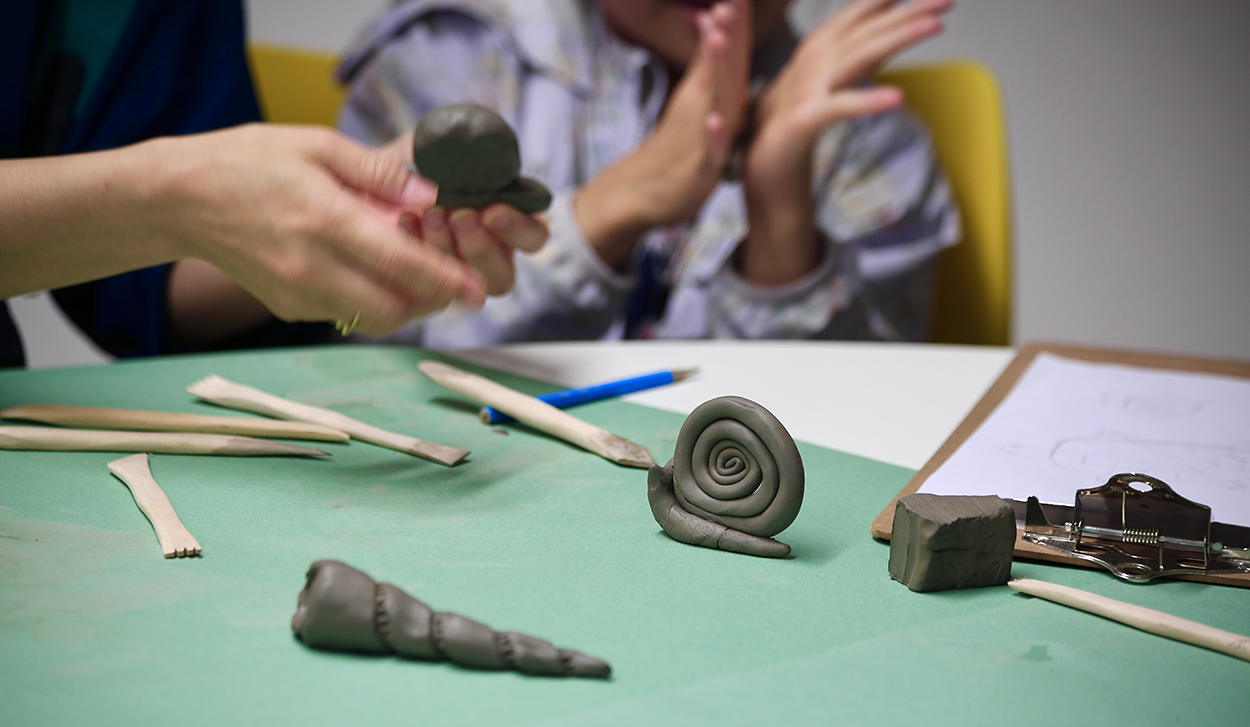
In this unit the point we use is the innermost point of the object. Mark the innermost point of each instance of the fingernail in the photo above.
(412, 190)
(464, 222)
(475, 291)
(436, 219)
(498, 220)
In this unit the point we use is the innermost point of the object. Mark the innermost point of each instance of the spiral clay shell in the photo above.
(735, 480)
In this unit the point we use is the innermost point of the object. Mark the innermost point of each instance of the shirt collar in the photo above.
(553, 47)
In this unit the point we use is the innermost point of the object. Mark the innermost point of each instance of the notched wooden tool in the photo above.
(175, 540)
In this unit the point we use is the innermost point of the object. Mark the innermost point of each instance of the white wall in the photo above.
(1129, 127)
(1130, 143)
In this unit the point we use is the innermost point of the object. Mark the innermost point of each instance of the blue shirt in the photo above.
(88, 75)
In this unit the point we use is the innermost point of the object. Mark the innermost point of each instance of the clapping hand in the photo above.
(821, 85)
(670, 175)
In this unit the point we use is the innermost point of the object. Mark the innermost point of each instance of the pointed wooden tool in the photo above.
(97, 440)
(224, 392)
(1139, 617)
(175, 540)
(539, 415)
(90, 417)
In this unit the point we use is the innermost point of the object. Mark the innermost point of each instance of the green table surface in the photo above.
(534, 535)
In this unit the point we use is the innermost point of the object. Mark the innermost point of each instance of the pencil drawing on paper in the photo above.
(1158, 407)
(1226, 466)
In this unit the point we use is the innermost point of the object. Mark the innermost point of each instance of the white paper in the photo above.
(1070, 425)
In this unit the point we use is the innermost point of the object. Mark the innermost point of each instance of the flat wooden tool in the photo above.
(539, 415)
(164, 421)
(1139, 617)
(96, 440)
(224, 392)
(175, 541)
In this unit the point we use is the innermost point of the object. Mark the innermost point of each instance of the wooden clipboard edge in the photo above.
(883, 525)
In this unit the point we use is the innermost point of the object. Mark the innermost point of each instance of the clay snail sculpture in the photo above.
(472, 154)
(735, 480)
(343, 609)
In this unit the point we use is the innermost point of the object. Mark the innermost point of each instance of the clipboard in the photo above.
(883, 524)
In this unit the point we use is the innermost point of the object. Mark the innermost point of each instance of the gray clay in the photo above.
(942, 542)
(735, 480)
(343, 609)
(473, 156)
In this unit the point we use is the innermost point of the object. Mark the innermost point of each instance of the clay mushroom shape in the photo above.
(472, 154)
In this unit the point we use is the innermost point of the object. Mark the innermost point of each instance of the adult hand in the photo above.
(485, 239)
(307, 221)
(670, 175)
(820, 86)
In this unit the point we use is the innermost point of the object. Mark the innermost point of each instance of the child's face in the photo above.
(667, 27)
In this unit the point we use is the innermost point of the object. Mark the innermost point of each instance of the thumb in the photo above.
(378, 173)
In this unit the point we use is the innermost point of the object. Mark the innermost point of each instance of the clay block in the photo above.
(942, 542)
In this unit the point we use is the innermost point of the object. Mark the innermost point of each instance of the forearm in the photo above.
(66, 220)
(610, 217)
(781, 244)
(566, 291)
(205, 305)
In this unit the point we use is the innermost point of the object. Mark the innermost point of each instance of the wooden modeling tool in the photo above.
(1139, 617)
(175, 541)
(539, 415)
(96, 440)
(164, 421)
(223, 392)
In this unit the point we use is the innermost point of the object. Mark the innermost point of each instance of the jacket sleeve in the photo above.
(414, 59)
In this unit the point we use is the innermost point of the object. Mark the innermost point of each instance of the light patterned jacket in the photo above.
(581, 98)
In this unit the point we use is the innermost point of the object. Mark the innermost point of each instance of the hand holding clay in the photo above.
(343, 609)
(305, 220)
(667, 179)
(735, 480)
(472, 154)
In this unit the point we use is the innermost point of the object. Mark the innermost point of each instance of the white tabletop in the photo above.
(891, 402)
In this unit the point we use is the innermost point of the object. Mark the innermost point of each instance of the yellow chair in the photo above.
(295, 86)
(962, 107)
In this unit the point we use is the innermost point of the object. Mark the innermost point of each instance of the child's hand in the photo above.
(669, 177)
(818, 88)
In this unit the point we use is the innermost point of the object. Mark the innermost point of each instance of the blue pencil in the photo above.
(573, 397)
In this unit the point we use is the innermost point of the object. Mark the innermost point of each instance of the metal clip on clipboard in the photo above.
(1140, 535)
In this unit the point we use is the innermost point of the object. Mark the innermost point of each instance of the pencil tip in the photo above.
(680, 374)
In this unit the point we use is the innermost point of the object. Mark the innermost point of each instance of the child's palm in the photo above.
(820, 85)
